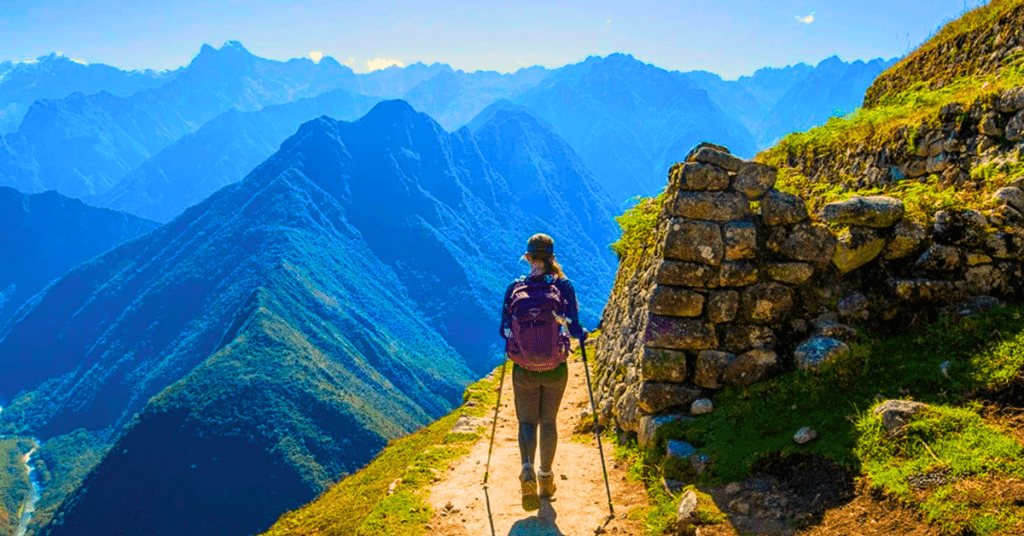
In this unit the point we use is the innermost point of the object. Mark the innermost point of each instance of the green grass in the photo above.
(359, 504)
(750, 423)
(638, 233)
(877, 125)
(660, 514)
(970, 34)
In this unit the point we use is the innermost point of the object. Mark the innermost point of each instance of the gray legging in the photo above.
(538, 395)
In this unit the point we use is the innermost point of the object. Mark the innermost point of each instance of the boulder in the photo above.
(742, 337)
(1014, 130)
(702, 406)
(977, 304)
(856, 247)
(754, 179)
(793, 273)
(907, 237)
(810, 242)
(841, 332)
(656, 397)
(676, 301)
(627, 409)
(711, 364)
(680, 333)
(805, 435)
(648, 426)
(694, 241)
(713, 206)
(781, 208)
(938, 163)
(896, 413)
(694, 176)
(751, 367)
(686, 511)
(815, 351)
(663, 365)
(1011, 100)
(708, 155)
(853, 306)
(737, 274)
(989, 125)
(669, 272)
(766, 303)
(709, 145)
(722, 306)
(740, 240)
(679, 449)
(939, 258)
(874, 211)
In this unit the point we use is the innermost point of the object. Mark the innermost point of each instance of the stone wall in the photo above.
(743, 283)
(948, 147)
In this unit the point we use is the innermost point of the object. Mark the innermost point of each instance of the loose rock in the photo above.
(874, 211)
(895, 414)
(702, 406)
(781, 208)
(805, 435)
(815, 351)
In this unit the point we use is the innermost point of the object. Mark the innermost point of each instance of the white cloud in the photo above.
(382, 63)
(806, 20)
(316, 55)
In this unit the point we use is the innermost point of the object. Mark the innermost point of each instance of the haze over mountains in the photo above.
(289, 325)
(331, 262)
(627, 119)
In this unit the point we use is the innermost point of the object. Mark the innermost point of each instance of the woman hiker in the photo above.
(536, 312)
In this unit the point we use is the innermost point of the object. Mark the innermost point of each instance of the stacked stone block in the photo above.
(725, 297)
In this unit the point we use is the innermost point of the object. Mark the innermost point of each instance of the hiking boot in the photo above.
(528, 480)
(546, 483)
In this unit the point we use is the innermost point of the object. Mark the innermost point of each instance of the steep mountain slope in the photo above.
(834, 88)
(221, 152)
(81, 145)
(42, 235)
(56, 76)
(453, 98)
(285, 328)
(776, 101)
(629, 120)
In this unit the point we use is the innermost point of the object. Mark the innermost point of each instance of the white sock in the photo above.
(544, 474)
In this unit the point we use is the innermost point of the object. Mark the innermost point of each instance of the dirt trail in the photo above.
(580, 505)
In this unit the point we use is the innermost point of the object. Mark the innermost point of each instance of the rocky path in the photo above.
(580, 505)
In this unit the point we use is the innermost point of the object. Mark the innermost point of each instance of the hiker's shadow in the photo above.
(542, 524)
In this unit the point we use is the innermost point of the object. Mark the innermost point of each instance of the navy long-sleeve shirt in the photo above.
(570, 308)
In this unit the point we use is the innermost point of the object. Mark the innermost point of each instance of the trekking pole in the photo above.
(597, 428)
(494, 425)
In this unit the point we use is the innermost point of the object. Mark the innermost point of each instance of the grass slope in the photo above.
(361, 505)
(751, 424)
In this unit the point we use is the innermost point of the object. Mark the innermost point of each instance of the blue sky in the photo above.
(730, 37)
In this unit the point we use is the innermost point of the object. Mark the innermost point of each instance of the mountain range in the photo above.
(286, 327)
(44, 235)
(320, 286)
(628, 120)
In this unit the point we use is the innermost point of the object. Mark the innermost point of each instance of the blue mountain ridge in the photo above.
(56, 76)
(83, 144)
(282, 330)
(220, 152)
(43, 235)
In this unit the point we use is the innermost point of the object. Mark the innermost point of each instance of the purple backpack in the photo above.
(538, 343)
